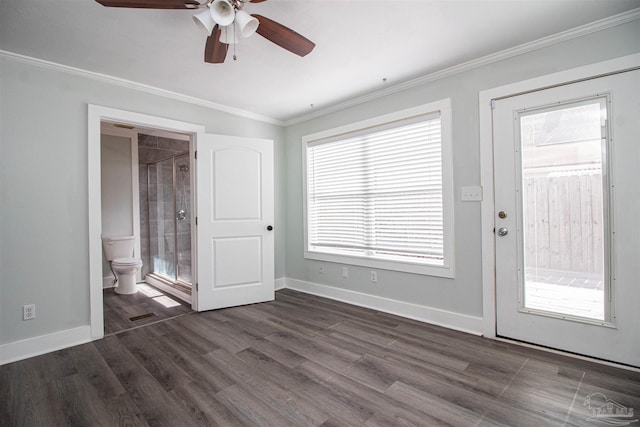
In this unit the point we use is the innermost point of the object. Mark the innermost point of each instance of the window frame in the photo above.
(447, 270)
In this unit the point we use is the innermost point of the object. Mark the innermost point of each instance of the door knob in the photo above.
(502, 231)
(269, 227)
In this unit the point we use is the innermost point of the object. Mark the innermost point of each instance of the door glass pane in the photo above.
(161, 218)
(563, 209)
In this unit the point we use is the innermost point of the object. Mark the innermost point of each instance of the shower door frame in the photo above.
(172, 285)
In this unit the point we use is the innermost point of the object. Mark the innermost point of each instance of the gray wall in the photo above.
(463, 294)
(44, 215)
(116, 185)
(44, 256)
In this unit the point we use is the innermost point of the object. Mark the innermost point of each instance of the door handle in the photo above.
(269, 227)
(502, 231)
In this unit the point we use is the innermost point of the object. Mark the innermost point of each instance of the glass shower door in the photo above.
(161, 219)
(170, 220)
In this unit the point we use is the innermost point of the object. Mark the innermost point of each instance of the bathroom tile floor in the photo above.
(148, 305)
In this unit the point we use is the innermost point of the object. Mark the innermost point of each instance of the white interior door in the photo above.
(235, 261)
(567, 174)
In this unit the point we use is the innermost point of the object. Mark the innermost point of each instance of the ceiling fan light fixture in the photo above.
(205, 21)
(229, 34)
(222, 12)
(245, 24)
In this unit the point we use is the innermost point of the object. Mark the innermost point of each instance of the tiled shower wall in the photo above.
(155, 229)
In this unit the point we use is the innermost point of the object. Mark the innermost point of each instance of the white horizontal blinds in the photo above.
(378, 193)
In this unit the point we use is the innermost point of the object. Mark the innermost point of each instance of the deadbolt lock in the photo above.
(502, 214)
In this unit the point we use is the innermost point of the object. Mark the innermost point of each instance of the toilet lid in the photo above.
(127, 261)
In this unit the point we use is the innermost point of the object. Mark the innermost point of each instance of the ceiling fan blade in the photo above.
(283, 36)
(152, 4)
(215, 51)
(256, 1)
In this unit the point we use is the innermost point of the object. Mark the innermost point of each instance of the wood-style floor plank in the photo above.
(120, 309)
(302, 361)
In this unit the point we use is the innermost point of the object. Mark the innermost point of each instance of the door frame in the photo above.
(96, 115)
(487, 206)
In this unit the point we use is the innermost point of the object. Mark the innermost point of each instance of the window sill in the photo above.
(446, 271)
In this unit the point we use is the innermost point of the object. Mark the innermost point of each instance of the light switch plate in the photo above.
(471, 193)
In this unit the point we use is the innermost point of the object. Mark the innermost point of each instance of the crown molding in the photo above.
(602, 24)
(129, 84)
(582, 30)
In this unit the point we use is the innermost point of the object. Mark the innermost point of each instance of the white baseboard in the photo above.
(434, 316)
(19, 350)
(280, 283)
(108, 282)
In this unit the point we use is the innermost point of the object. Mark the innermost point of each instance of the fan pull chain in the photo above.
(235, 58)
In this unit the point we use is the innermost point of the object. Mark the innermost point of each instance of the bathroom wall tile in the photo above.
(153, 246)
(153, 192)
(153, 155)
(144, 230)
(184, 226)
(144, 191)
(153, 211)
(147, 140)
(174, 145)
(153, 173)
(167, 193)
(142, 173)
(144, 213)
(184, 242)
(169, 245)
(153, 229)
(167, 211)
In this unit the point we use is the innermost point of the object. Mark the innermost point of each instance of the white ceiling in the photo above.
(358, 44)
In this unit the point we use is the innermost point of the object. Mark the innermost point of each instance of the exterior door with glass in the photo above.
(567, 197)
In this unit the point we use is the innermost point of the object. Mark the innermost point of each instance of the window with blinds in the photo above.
(377, 193)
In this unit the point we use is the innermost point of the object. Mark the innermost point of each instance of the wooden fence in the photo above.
(563, 221)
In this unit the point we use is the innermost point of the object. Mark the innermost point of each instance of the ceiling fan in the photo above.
(226, 23)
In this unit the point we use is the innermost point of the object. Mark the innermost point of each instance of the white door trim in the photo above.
(97, 114)
(487, 207)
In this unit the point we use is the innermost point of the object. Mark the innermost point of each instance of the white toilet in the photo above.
(119, 252)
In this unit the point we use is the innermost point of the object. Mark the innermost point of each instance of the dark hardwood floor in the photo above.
(148, 305)
(305, 361)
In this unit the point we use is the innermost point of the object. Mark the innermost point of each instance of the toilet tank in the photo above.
(117, 247)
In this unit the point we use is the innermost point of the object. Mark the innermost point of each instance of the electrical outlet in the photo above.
(345, 271)
(321, 269)
(374, 276)
(28, 312)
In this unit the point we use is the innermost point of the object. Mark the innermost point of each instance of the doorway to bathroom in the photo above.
(233, 198)
(146, 194)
